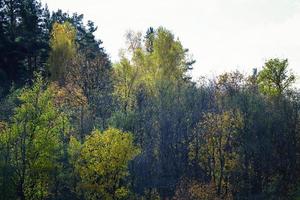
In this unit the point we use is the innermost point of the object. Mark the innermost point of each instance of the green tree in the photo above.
(165, 65)
(33, 142)
(275, 78)
(153, 95)
(103, 163)
(126, 81)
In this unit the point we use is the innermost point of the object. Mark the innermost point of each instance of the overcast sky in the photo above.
(222, 35)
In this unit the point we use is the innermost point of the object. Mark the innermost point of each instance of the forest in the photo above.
(74, 125)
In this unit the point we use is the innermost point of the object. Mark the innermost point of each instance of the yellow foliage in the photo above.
(63, 49)
(103, 162)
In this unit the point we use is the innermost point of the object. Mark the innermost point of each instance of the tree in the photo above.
(85, 38)
(149, 38)
(274, 79)
(153, 94)
(63, 49)
(133, 40)
(217, 152)
(33, 142)
(103, 163)
(126, 81)
(93, 76)
(24, 41)
(33, 38)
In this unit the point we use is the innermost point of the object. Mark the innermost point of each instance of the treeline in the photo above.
(75, 126)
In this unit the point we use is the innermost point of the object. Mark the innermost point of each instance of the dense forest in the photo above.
(74, 125)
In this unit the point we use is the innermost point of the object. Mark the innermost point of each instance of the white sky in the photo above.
(222, 35)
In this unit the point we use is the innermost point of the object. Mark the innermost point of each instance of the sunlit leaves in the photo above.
(275, 78)
(103, 163)
(34, 140)
(165, 65)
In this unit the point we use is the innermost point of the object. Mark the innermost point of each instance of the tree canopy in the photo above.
(74, 125)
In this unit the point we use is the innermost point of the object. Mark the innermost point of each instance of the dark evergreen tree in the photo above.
(24, 41)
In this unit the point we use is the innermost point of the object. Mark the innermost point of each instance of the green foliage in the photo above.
(274, 78)
(226, 133)
(126, 81)
(103, 163)
(169, 55)
(33, 142)
(165, 64)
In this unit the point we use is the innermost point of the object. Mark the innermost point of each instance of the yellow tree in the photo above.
(102, 163)
(63, 49)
